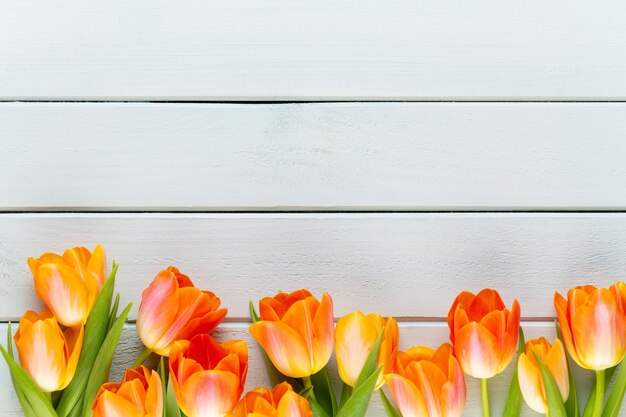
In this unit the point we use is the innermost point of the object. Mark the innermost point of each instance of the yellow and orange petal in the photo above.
(296, 331)
(281, 401)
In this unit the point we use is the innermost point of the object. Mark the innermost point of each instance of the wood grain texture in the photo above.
(405, 265)
(376, 156)
(327, 50)
(428, 334)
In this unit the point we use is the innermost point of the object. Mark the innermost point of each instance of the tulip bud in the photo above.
(529, 373)
(48, 354)
(172, 309)
(483, 332)
(69, 284)
(355, 336)
(296, 331)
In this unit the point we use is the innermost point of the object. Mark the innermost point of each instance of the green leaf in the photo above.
(556, 406)
(324, 391)
(96, 330)
(113, 315)
(171, 406)
(75, 411)
(616, 395)
(389, 408)
(357, 404)
(513, 404)
(100, 371)
(591, 400)
(318, 410)
(38, 401)
(26, 407)
(163, 377)
(346, 392)
(253, 314)
(572, 407)
(370, 363)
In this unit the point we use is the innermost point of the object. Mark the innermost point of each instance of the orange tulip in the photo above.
(593, 323)
(208, 377)
(529, 374)
(428, 382)
(172, 309)
(355, 336)
(296, 331)
(47, 353)
(483, 332)
(282, 401)
(140, 394)
(69, 284)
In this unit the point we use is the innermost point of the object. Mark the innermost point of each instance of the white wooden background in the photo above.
(392, 153)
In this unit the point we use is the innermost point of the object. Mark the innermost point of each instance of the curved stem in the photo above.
(597, 406)
(142, 357)
(484, 390)
(308, 384)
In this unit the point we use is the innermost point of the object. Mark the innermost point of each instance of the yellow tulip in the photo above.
(355, 336)
(69, 284)
(48, 354)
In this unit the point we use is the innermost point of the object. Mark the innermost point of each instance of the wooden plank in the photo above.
(428, 334)
(376, 156)
(405, 265)
(327, 50)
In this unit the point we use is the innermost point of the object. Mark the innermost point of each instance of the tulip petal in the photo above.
(354, 340)
(154, 396)
(293, 405)
(64, 293)
(74, 344)
(556, 362)
(478, 351)
(408, 397)
(560, 304)
(285, 347)
(531, 384)
(324, 331)
(209, 393)
(159, 305)
(453, 391)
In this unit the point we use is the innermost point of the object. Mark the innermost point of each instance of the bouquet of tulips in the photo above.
(65, 353)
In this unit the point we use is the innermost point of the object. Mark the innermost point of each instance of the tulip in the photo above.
(172, 309)
(48, 354)
(296, 331)
(282, 401)
(428, 383)
(69, 284)
(529, 374)
(140, 394)
(355, 336)
(483, 332)
(593, 323)
(208, 377)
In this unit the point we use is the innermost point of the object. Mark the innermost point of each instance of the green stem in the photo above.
(48, 396)
(484, 390)
(308, 384)
(142, 357)
(597, 407)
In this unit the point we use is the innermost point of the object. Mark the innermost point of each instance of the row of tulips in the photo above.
(65, 352)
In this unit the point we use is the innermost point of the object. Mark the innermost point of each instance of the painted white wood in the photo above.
(405, 265)
(326, 50)
(428, 334)
(312, 156)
